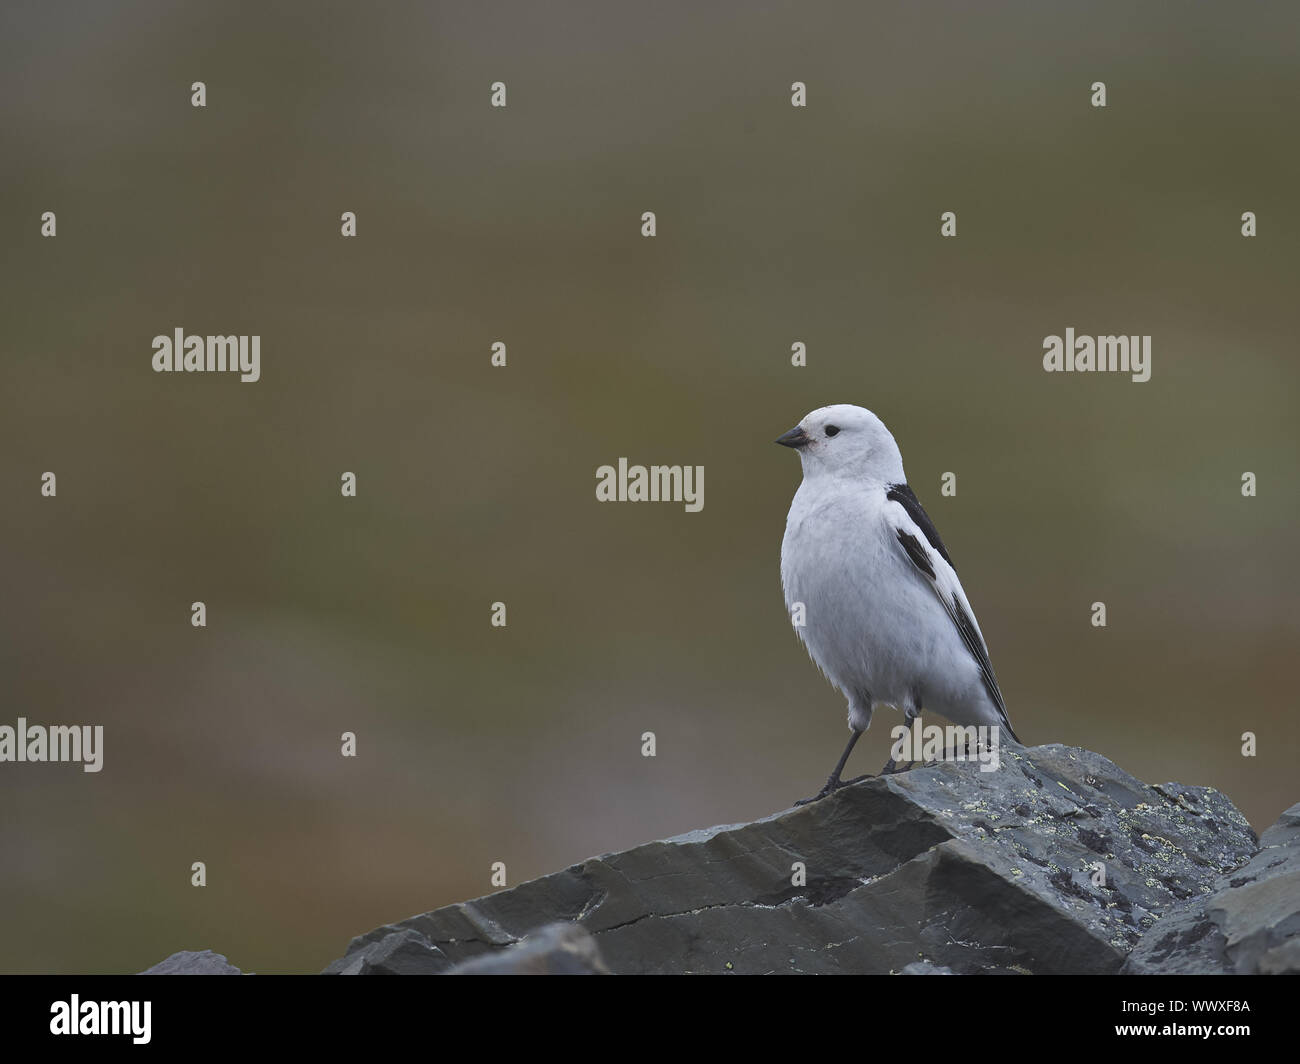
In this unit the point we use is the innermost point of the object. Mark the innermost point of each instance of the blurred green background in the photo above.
(476, 484)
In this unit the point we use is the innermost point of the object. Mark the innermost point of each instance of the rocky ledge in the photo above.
(1058, 862)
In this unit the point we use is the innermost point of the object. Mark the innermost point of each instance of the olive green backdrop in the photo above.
(476, 484)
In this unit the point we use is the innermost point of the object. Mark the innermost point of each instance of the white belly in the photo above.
(874, 625)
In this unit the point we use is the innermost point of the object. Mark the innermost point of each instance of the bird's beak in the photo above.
(796, 437)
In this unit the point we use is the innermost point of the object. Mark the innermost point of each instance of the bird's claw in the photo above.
(832, 785)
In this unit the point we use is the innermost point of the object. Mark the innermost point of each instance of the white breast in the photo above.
(873, 624)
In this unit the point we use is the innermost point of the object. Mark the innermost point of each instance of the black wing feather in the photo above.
(905, 497)
(976, 646)
(916, 552)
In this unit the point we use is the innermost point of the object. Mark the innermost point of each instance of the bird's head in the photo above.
(847, 441)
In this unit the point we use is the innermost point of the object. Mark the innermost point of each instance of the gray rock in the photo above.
(193, 962)
(401, 952)
(946, 864)
(1247, 924)
(557, 949)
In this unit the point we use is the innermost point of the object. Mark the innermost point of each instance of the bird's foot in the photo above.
(832, 785)
(828, 789)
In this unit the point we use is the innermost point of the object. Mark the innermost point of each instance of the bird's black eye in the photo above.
(832, 430)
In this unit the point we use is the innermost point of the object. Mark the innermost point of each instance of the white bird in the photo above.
(884, 615)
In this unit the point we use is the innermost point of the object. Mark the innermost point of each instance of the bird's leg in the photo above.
(909, 715)
(835, 783)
